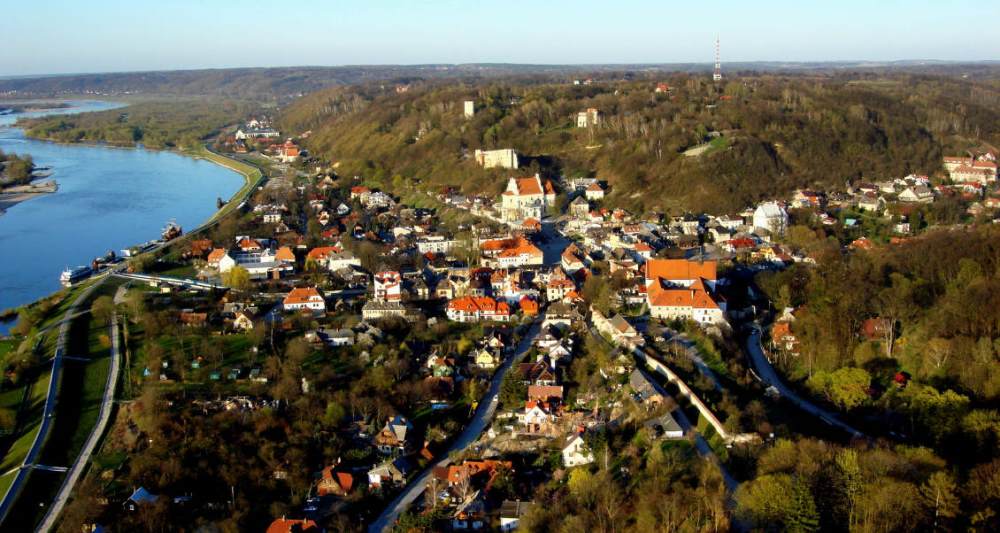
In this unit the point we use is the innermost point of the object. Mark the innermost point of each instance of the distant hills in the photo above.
(290, 82)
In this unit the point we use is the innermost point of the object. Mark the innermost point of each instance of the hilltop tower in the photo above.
(717, 75)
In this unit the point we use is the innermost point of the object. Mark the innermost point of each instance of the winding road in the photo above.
(770, 377)
(480, 420)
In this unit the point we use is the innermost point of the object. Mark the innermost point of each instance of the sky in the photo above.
(74, 36)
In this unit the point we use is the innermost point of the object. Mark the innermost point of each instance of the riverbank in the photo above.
(12, 196)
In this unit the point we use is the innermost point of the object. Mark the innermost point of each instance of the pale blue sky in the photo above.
(60, 36)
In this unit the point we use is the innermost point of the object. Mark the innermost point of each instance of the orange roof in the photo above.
(479, 304)
(529, 306)
(285, 254)
(320, 253)
(528, 186)
(680, 269)
(216, 255)
(285, 525)
(695, 297)
(247, 243)
(520, 246)
(302, 295)
(594, 187)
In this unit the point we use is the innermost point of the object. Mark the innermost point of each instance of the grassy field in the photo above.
(252, 174)
(36, 496)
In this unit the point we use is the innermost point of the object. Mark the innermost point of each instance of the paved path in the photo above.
(83, 459)
(50, 405)
(770, 377)
(482, 418)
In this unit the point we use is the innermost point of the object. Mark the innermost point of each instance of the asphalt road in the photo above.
(770, 377)
(480, 420)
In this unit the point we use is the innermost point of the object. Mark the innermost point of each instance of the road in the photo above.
(770, 377)
(700, 444)
(51, 399)
(80, 465)
(480, 420)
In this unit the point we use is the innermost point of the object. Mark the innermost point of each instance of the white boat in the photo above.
(73, 275)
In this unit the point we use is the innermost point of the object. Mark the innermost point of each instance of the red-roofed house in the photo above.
(291, 525)
(304, 298)
(477, 308)
(334, 483)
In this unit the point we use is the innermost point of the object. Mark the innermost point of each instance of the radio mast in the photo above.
(717, 75)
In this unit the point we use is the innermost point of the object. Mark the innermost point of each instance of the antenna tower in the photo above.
(717, 75)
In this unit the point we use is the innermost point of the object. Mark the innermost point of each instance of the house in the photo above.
(682, 289)
(288, 152)
(389, 473)
(575, 451)
(505, 158)
(579, 207)
(335, 483)
(140, 496)
(486, 358)
(588, 118)
(477, 308)
(917, 194)
(393, 437)
(665, 427)
(537, 416)
(374, 310)
(529, 307)
(511, 512)
(304, 298)
(661, 88)
(594, 192)
(772, 217)
(338, 260)
(519, 252)
(388, 286)
(527, 197)
(643, 390)
(291, 525)
(545, 393)
(243, 321)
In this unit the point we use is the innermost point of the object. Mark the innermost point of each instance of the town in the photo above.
(485, 346)
(469, 280)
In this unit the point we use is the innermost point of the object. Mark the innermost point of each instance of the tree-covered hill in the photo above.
(778, 133)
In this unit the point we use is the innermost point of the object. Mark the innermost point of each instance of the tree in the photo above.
(513, 391)
(236, 278)
(103, 309)
(802, 516)
(940, 497)
(8, 421)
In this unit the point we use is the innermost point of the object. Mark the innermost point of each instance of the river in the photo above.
(108, 199)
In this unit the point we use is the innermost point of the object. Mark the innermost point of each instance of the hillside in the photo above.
(778, 133)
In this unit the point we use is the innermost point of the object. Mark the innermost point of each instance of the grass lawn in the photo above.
(15, 447)
(36, 496)
(5, 481)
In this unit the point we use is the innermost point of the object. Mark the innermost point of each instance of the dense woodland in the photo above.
(777, 133)
(15, 169)
(934, 295)
(167, 124)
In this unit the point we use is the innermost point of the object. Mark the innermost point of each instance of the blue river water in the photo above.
(108, 199)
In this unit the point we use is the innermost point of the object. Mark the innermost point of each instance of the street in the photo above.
(480, 420)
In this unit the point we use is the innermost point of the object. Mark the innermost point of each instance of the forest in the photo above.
(904, 339)
(175, 123)
(15, 169)
(772, 133)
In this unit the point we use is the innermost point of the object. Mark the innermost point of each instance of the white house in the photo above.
(771, 217)
(304, 298)
(575, 452)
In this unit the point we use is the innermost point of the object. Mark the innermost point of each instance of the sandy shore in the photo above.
(15, 195)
